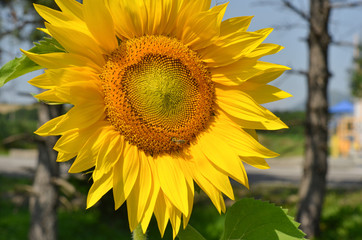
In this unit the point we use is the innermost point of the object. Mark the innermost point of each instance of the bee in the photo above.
(178, 141)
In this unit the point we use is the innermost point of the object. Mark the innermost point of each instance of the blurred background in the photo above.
(341, 217)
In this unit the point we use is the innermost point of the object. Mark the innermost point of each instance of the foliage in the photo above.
(22, 121)
(285, 145)
(20, 66)
(286, 142)
(356, 83)
(254, 220)
(356, 76)
(190, 233)
(294, 120)
(343, 215)
(341, 218)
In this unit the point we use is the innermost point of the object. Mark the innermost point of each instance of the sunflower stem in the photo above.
(138, 233)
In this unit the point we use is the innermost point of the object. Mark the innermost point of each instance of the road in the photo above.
(342, 172)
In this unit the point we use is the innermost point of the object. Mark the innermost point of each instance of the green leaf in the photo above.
(190, 233)
(251, 219)
(20, 66)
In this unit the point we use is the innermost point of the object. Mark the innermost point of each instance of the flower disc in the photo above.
(158, 94)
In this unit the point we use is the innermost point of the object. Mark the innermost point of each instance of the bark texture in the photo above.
(44, 200)
(313, 184)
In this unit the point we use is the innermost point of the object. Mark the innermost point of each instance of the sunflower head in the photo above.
(158, 94)
(165, 94)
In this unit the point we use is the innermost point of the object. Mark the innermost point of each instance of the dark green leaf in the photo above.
(47, 45)
(251, 219)
(190, 233)
(20, 66)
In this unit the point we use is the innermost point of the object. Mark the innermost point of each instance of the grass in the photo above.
(4, 151)
(341, 218)
(287, 142)
(286, 145)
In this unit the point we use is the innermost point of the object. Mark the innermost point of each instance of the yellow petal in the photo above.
(76, 93)
(265, 93)
(186, 218)
(132, 209)
(118, 185)
(58, 18)
(222, 202)
(271, 72)
(153, 197)
(175, 219)
(241, 142)
(131, 168)
(172, 182)
(56, 77)
(140, 194)
(203, 29)
(68, 140)
(217, 178)
(86, 158)
(121, 16)
(208, 188)
(201, 5)
(240, 105)
(60, 60)
(236, 24)
(227, 50)
(126, 172)
(50, 15)
(63, 157)
(77, 118)
(44, 30)
(162, 16)
(84, 46)
(190, 8)
(256, 162)
(246, 69)
(186, 166)
(265, 125)
(265, 49)
(100, 24)
(236, 73)
(50, 96)
(108, 154)
(46, 128)
(161, 213)
(71, 8)
(80, 93)
(99, 188)
(43, 81)
(223, 157)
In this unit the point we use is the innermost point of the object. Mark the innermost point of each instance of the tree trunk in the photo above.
(313, 184)
(44, 201)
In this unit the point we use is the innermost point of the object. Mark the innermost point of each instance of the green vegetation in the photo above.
(356, 75)
(286, 142)
(21, 123)
(341, 219)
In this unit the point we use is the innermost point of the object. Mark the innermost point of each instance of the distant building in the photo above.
(345, 128)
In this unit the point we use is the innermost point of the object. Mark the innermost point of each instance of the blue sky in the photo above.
(345, 23)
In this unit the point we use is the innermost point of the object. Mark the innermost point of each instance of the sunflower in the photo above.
(165, 94)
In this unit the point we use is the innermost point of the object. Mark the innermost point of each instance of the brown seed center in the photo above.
(158, 93)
